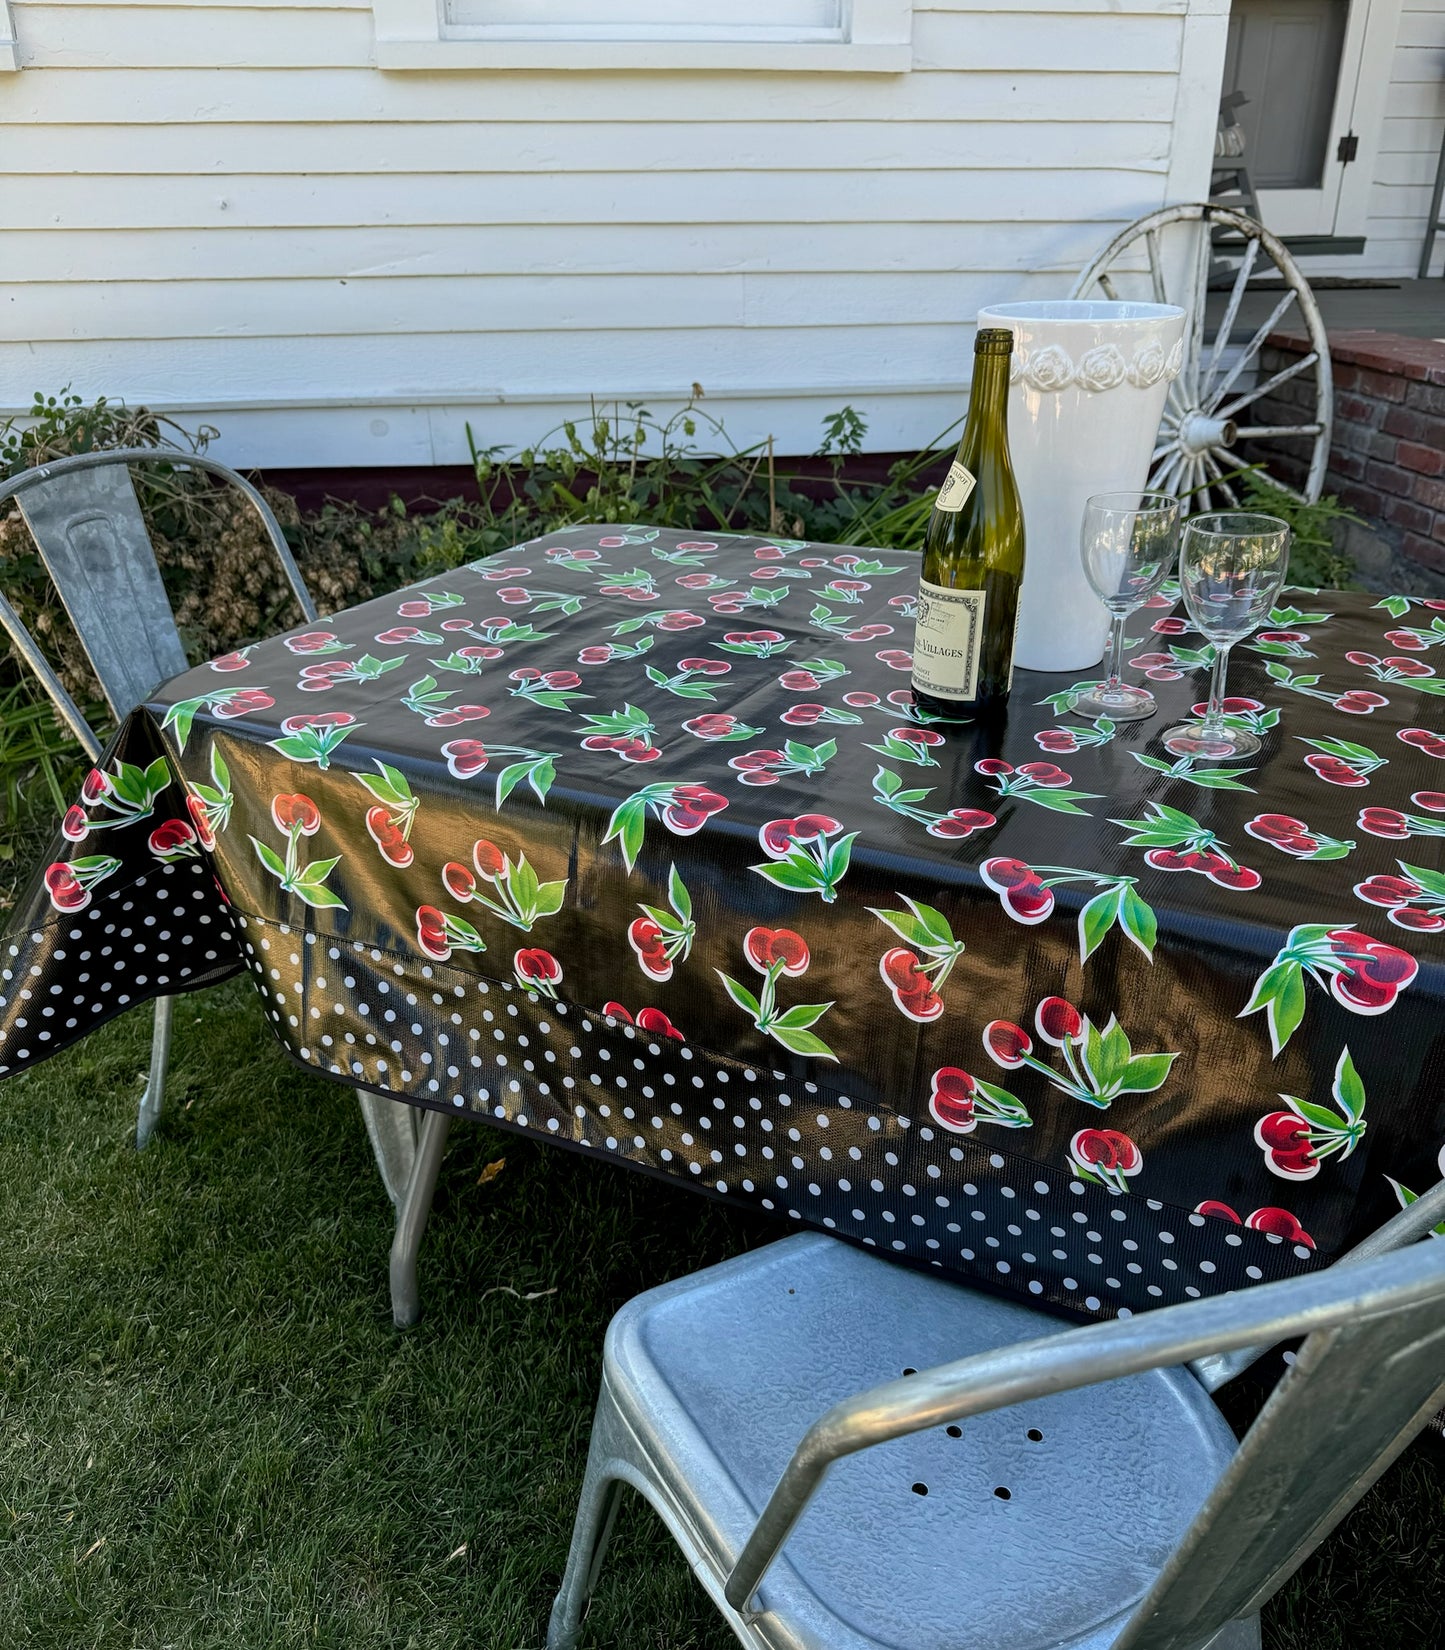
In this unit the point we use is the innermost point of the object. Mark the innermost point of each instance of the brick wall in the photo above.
(1387, 453)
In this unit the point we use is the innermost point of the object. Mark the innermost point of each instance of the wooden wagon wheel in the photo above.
(1206, 404)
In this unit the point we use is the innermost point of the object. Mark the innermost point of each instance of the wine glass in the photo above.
(1128, 545)
(1230, 569)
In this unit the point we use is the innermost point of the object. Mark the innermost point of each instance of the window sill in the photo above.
(634, 56)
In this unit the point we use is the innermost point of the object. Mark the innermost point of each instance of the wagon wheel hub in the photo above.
(1200, 433)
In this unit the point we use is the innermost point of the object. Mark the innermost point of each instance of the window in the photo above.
(9, 58)
(844, 35)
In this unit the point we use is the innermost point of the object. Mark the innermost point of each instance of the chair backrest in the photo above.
(1418, 1219)
(87, 524)
(1353, 1399)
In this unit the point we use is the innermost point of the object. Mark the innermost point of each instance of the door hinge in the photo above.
(1349, 148)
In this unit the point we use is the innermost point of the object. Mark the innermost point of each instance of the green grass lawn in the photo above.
(211, 1436)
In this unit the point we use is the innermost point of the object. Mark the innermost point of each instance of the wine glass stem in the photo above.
(1116, 652)
(1214, 715)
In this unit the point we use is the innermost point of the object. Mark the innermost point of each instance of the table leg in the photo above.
(411, 1218)
(154, 1097)
(392, 1126)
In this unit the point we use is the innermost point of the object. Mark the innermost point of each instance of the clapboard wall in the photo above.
(1410, 139)
(230, 211)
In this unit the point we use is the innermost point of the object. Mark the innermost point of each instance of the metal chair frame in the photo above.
(86, 521)
(1366, 1380)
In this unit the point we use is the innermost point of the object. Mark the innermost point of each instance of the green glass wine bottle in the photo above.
(973, 555)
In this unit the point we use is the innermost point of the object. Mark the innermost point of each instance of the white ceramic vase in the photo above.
(1089, 382)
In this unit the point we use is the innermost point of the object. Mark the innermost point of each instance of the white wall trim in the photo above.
(1380, 22)
(876, 37)
(9, 48)
(1196, 103)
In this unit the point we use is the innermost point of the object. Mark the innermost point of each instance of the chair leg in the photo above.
(154, 1097)
(596, 1514)
(412, 1218)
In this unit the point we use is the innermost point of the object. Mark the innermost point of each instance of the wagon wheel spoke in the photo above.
(1283, 376)
(1255, 345)
(1226, 326)
(1222, 471)
(1194, 306)
(1260, 432)
(1110, 292)
(1163, 465)
(1156, 266)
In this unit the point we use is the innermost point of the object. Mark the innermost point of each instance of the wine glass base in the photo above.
(1120, 704)
(1221, 745)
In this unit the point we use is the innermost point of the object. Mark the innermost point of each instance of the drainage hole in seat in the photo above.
(910, 1371)
(1003, 1494)
(920, 1489)
(954, 1432)
(1034, 1436)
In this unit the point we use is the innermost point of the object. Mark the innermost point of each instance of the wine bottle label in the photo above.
(957, 485)
(948, 640)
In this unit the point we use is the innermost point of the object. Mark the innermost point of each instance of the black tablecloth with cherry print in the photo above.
(637, 843)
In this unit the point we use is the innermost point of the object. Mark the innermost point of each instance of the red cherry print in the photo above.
(713, 726)
(431, 933)
(1106, 1149)
(952, 1099)
(1386, 822)
(300, 812)
(1280, 1223)
(766, 946)
(1387, 890)
(66, 892)
(533, 963)
(690, 808)
(1239, 877)
(464, 757)
(75, 827)
(1058, 1021)
(899, 969)
(489, 859)
(170, 836)
(1220, 1211)
(458, 880)
(1007, 1043)
(201, 820)
(655, 1022)
(247, 700)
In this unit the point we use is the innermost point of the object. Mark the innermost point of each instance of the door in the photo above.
(1299, 62)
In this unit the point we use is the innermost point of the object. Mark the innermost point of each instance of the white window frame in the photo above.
(875, 36)
(9, 47)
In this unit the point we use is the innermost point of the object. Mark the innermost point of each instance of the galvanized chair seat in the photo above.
(853, 1456)
(1030, 1528)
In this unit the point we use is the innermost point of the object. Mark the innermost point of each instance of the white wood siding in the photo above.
(1410, 139)
(228, 210)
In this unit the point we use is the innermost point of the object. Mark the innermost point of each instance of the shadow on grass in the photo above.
(212, 1436)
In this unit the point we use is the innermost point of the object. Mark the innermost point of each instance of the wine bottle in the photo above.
(973, 555)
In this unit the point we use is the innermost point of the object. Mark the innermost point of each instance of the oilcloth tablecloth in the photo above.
(635, 842)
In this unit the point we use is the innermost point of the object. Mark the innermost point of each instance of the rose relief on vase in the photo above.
(1088, 383)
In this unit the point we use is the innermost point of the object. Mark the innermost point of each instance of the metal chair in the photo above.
(86, 521)
(1071, 1492)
